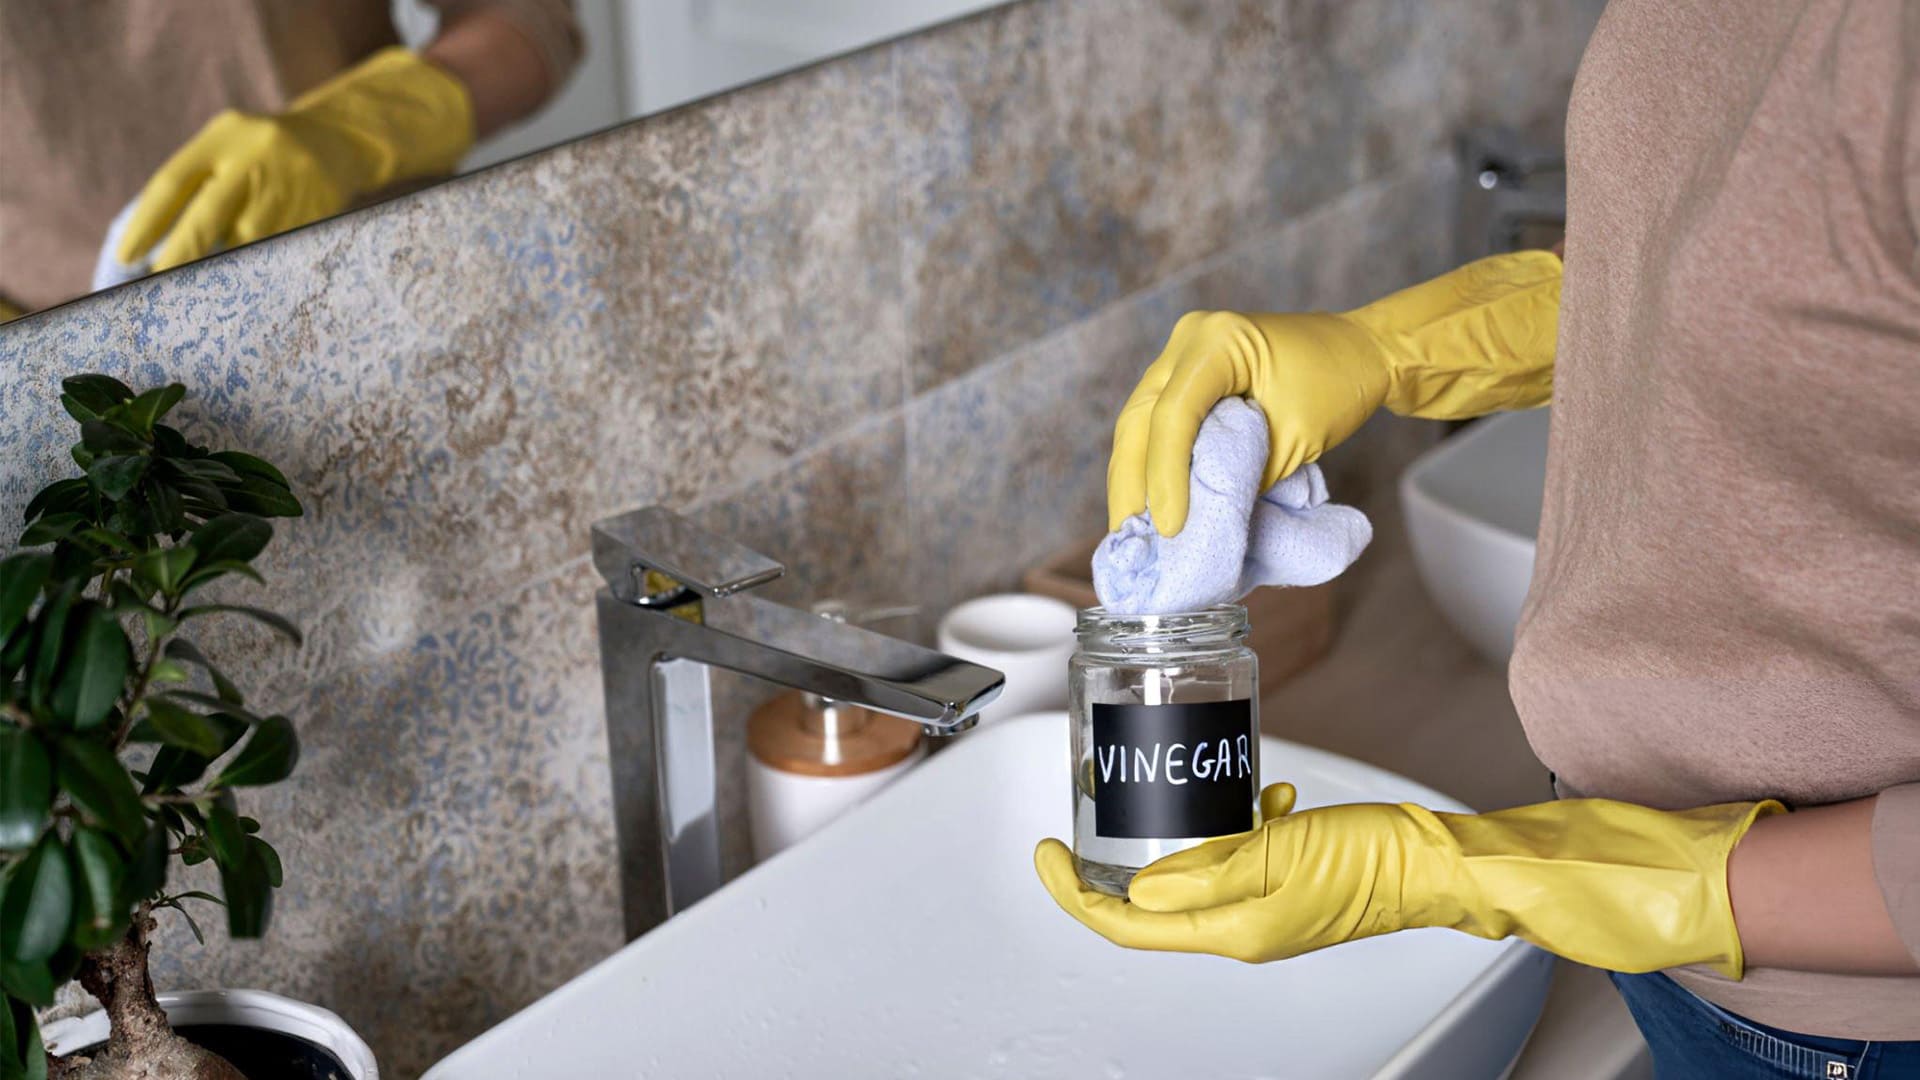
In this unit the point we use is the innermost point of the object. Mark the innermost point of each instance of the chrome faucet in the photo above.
(676, 603)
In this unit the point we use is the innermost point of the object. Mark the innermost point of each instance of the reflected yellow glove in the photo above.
(1470, 342)
(1609, 884)
(246, 176)
(8, 312)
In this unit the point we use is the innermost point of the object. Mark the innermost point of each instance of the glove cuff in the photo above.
(393, 117)
(1472, 341)
(1609, 884)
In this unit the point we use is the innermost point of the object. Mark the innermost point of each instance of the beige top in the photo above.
(95, 96)
(1726, 603)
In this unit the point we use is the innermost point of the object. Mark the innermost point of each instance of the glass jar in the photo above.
(1166, 737)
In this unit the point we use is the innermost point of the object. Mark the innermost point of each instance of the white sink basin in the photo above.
(1473, 510)
(911, 938)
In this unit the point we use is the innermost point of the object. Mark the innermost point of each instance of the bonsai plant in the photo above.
(122, 747)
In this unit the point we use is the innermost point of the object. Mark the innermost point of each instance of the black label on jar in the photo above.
(1168, 772)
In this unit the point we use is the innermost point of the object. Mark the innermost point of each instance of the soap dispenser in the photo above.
(810, 759)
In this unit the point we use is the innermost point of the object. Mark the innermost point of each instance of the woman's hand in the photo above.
(247, 176)
(1469, 342)
(1610, 884)
(1316, 376)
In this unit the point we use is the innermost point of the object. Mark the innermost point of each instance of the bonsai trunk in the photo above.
(141, 1046)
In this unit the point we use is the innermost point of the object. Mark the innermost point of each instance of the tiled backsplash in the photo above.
(873, 319)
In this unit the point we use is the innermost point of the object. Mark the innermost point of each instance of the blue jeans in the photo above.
(1694, 1038)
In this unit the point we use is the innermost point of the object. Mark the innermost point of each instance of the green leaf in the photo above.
(269, 859)
(49, 643)
(158, 625)
(276, 621)
(248, 465)
(77, 410)
(26, 788)
(195, 850)
(268, 757)
(248, 825)
(114, 476)
(38, 906)
(174, 726)
(13, 657)
(227, 839)
(107, 437)
(144, 410)
(182, 649)
(97, 393)
(174, 768)
(205, 574)
(198, 496)
(147, 871)
(207, 470)
(195, 697)
(96, 667)
(99, 785)
(167, 672)
(248, 885)
(196, 894)
(21, 577)
(126, 594)
(52, 527)
(71, 495)
(198, 936)
(106, 541)
(100, 916)
(258, 495)
(236, 537)
(73, 562)
(167, 512)
(189, 731)
(22, 1055)
(165, 568)
(170, 442)
(32, 983)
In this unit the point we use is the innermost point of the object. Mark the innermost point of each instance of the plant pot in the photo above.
(266, 1036)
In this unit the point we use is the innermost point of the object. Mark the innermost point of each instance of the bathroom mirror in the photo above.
(77, 160)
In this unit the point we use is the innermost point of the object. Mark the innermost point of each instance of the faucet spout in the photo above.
(678, 603)
(798, 649)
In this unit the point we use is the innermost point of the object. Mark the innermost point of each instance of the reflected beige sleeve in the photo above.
(550, 25)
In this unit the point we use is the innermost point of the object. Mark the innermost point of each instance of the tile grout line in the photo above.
(897, 146)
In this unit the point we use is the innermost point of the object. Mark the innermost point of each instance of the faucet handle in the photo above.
(653, 538)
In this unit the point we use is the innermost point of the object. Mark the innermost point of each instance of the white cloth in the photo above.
(108, 270)
(1235, 539)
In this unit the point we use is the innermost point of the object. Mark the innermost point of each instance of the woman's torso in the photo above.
(1726, 600)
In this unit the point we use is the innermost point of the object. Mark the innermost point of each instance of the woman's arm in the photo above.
(503, 71)
(1806, 895)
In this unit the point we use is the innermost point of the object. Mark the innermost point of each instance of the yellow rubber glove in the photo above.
(246, 176)
(8, 312)
(1470, 342)
(1609, 884)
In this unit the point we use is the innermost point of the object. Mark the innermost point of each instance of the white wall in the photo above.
(643, 56)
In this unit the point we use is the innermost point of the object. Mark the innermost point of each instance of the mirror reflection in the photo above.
(139, 135)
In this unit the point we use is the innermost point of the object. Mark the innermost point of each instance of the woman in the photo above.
(1724, 623)
(233, 120)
